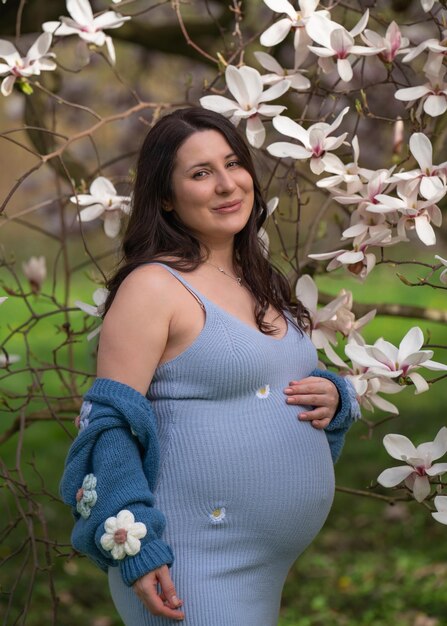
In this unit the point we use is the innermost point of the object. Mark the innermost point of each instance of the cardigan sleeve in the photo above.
(108, 481)
(347, 413)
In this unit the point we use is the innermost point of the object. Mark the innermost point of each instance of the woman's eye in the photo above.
(200, 174)
(233, 164)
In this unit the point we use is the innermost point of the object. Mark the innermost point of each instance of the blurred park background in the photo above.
(374, 563)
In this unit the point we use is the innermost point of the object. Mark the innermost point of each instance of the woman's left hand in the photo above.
(316, 392)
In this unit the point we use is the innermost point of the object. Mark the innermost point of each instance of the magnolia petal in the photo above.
(425, 230)
(322, 52)
(434, 365)
(102, 187)
(8, 51)
(110, 19)
(112, 223)
(269, 63)
(411, 93)
(299, 82)
(80, 11)
(286, 126)
(276, 91)
(437, 469)
(7, 85)
(255, 131)
(219, 104)
(394, 475)
(435, 105)
(91, 213)
(412, 342)
(87, 308)
(399, 446)
(350, 256)
(344, 69)
(282, 6)
(431, 188)
(438, 447)
(341, 40)
(271, 110)
(323, 256)
(40, 47)
(276, 33)
(421, 488)
(440, 517)
(307, 292)
(319, 28)
(383, 404)
(338, 120)
(333, 356)
(419, 382)
(284, 149)
(245, 84)
(361, 24)
(421, 149)
(440, 503)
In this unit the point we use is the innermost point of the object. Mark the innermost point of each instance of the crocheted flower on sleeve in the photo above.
(86, 497)
(82, 420)
(123, 534)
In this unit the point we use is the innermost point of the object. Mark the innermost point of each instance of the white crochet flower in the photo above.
(123, 534)
(263, 392)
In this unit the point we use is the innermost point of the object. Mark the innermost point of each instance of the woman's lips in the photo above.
(229, 208)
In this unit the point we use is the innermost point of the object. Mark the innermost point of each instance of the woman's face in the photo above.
(212, 193)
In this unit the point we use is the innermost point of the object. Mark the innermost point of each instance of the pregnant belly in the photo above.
(249, 467)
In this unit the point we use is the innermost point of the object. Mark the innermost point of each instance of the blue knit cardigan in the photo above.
(113, 463)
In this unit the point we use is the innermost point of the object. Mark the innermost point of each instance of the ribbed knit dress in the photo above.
(244, 484)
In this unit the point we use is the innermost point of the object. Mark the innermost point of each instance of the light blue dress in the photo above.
(244, 484)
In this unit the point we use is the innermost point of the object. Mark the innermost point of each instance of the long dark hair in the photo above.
(154, 234)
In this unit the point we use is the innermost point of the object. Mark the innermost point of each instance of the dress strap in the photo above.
(180, 278)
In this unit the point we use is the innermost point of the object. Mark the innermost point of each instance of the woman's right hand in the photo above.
(163, 602)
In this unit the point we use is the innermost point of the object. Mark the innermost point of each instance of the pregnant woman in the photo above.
(204, 463)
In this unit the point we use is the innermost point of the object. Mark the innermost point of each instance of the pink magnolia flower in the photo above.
(417, 214)
(246, 86)
(87, 27)
(278, 74)
(392, 44)
(349, 174)
(337, 42)
(419, 469)
(37, 59)
(317, 144)
(384, 359)
(433, 94)
(96, 310)
(433, 45)
(432, 178)
(103, 201)
(323, 334)
(294, 20)
(378, 182)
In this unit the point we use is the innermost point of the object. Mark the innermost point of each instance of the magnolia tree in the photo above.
(345, 109)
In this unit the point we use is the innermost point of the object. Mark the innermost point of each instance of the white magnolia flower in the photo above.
(433, 94)
(417, 214)
(345, 321)
(443, 274)
(123, 534)
(419, 469)
(7, 359)
(364, 225)
(37, 59)
(384, 359)
(103, 201)
(317, 144)
(245, 84)
(392, 44)
(99, 298)
(278, 74)
(433, 45)
(336, 41)
(432, 178)
(440, 503)
(323, 332)
(89, 28)
(295, 20)
(368, 390)
(35, 270)
(378, 182)
(349, 174)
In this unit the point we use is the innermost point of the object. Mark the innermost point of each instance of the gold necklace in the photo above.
(238, 279)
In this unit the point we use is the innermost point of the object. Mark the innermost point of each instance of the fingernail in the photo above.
(288, 390)
(175, 600)
(302, 415)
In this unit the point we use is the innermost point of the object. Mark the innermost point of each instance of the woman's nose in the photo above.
(225, 182)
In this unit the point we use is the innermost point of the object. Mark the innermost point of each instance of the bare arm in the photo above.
(133, 339)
